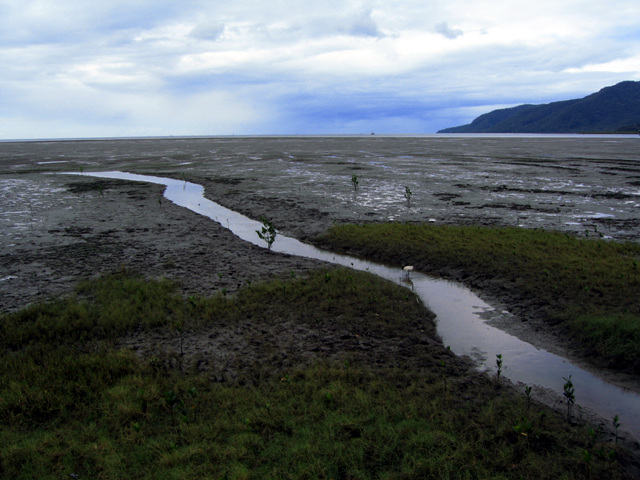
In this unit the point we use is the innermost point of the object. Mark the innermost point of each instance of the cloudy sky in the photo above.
(74, 68)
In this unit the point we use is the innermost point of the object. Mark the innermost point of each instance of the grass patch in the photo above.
(101, 310)
(72, 403)
(589, 286)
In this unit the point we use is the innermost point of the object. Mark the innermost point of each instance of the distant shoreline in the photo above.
(332, 135)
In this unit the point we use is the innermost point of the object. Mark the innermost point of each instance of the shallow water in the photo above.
(461, 316)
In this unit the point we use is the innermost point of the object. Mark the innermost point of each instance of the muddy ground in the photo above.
(57, 229)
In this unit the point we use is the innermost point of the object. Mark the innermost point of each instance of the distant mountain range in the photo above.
(613, 109)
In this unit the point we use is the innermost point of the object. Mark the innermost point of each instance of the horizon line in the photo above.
(308, 135)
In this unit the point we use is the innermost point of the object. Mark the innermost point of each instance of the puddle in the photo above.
(461, 316)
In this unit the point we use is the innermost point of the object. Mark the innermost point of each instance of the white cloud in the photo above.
(630, 66)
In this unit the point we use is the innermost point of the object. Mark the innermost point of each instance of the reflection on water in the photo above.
(461, 315)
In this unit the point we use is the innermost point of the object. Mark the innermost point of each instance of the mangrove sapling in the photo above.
(172, 401)
(592, 436)
(407, 195)
(354, 182)
(328, 397)
(267, 232)
(616, 425)
(569, 394)
(606, 456)
(498, 366)
(178, 325)
(192, 393)
(524, 427)
(31, 217)
(527, 392)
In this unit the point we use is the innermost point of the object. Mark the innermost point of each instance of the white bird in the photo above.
(407, 270)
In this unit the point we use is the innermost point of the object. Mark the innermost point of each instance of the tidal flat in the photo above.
(60, 229)
(55, 229)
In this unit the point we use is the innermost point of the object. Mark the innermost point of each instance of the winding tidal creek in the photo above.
(461, 317)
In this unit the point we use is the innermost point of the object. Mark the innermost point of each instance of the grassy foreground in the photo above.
(590, 286)
(72, 404)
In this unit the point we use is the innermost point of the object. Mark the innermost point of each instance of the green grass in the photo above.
(589, 286)
(71, 402)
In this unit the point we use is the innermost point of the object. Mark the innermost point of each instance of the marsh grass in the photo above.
(71, 404)
(589, 286)
(101, 310)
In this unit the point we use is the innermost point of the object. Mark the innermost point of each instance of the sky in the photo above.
(75, 69)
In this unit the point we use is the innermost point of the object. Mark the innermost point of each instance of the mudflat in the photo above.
(56, 229)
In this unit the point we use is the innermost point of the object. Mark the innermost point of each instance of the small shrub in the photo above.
(267, 232)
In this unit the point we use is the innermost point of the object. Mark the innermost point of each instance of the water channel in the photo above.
(461, 316)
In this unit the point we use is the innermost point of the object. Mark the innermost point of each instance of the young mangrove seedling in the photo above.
(569, 394)
(267, 232)
(172, 401)
(328, 397)
(616, 425)
(192, 392)
(524, 427)
(407, 195)
(498, 366)
(178, 325)
(592, 437)
(527, 392)
(354, 182)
